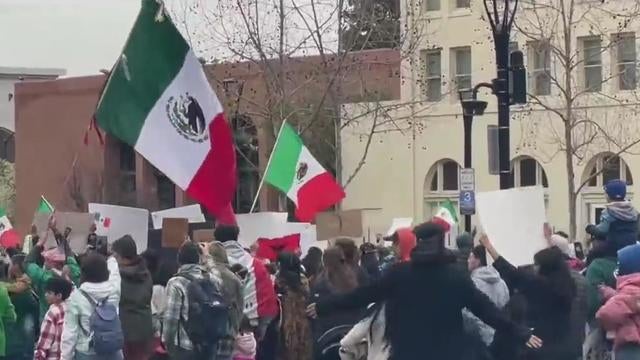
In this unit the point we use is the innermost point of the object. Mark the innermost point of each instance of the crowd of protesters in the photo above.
(414, 299)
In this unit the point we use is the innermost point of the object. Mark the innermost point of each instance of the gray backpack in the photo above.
(105, 330)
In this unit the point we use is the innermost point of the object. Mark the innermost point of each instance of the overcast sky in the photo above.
(84, 36)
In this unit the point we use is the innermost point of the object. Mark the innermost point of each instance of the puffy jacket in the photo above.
(621, 313)
(618, 224)
(366, 339)
(76, 317)
(488, 280)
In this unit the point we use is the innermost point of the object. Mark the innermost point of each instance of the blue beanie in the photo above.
(629, 260)
(616, 189)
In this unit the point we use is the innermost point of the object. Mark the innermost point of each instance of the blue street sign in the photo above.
(467, 202)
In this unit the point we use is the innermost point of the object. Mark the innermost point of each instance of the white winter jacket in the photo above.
(366, 340)
(79, 310)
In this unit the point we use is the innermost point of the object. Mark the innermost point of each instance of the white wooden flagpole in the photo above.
(255, 200)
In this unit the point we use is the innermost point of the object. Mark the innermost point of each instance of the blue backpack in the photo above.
(105, 330)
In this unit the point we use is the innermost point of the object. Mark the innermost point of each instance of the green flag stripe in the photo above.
(284, 158)
(153, 55)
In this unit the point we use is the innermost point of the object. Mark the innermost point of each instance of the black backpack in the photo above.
(209, 313)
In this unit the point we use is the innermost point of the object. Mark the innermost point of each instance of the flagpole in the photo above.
(255, 200)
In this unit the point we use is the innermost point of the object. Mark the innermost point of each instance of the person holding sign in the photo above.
(549, 292)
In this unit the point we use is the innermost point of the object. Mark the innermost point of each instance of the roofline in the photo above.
(31, 72)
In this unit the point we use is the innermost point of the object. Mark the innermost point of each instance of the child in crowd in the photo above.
(57, 290)
(245, 346)
(619, 221)
(620, 315)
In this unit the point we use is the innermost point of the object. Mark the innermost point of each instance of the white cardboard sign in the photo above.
(192, 213)
(260, 225)
(116, 221)
(513, 220)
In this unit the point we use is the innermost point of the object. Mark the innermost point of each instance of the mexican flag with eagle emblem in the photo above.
(293, 170)
(158, 100)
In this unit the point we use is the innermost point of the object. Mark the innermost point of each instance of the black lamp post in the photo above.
(501, 22)
(470, 108)
(509, 67)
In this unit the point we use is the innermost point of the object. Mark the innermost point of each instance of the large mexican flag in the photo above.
(294, 171)
(158, 100)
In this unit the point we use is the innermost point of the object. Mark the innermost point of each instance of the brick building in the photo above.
(52, 118)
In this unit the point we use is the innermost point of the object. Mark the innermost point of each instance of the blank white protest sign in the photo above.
(513, 220)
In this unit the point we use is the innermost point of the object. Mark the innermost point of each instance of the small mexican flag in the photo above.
(293, 170)
(44, 206)
(158, 100)
(9, 238)
(446, 216)
(5, 223)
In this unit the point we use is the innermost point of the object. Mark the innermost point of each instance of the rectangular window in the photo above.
(127, 178)
(462, 69)
(432, 5)
(626, 61)
(540, 59)
(592, 64)
(462, 4)
(433, 78)
(513, 46)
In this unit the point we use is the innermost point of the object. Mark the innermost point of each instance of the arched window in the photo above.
(605, 167)
(443, 177)
(527, 171)
(7, 145)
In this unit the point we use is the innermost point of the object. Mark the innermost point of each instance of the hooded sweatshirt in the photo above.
(260, 300)
(618, 224)
(406, 243)
(488, 280)
(135, 302)
(75, 336)
(621, 313)
(40, 275)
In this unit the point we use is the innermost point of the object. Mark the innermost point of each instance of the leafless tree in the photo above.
(272, 36)
(576, 106)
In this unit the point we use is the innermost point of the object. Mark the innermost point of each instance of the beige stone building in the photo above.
(413, 166)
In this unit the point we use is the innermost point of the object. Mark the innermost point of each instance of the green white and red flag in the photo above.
(294, 171)
(446, 216)
(158, 100)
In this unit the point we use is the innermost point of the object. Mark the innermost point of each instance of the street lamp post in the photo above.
(470, 107)
(501, 21)
(509, 66)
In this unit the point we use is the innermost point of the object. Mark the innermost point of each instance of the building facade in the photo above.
(53, 118)
(582, 85)
(9, 76)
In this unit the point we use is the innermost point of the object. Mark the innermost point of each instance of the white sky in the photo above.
(81, 36)
(84, 36)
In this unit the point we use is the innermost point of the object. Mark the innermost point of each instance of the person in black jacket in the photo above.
(424, 301)
(135, 300)
(549, 292)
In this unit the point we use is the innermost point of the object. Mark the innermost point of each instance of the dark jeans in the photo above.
(268, 345)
